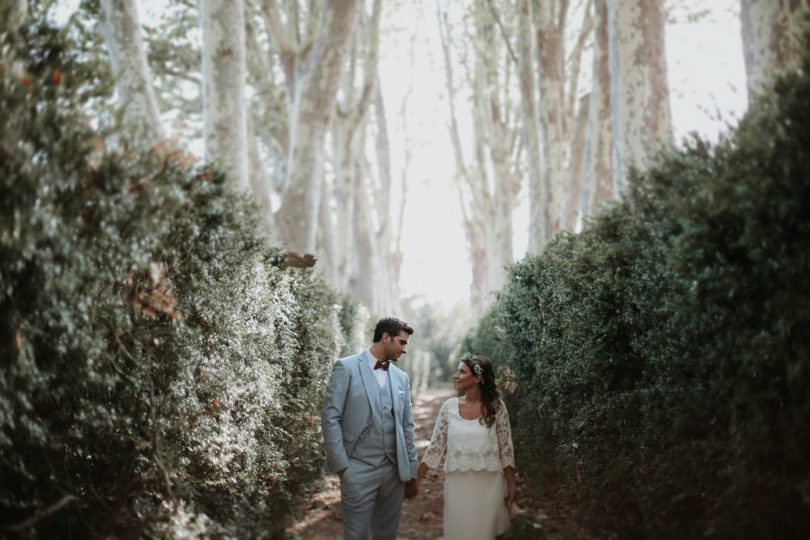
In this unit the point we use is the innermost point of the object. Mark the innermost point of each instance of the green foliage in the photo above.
(160, 374)
(662, 353)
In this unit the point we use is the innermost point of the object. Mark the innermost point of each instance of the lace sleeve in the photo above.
(504, 433)
(438, 441)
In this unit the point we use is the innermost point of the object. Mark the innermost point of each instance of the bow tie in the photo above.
(382, 365)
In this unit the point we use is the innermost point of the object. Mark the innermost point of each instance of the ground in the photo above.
(319, 518)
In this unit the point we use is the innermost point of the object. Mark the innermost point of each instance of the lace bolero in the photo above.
(469, 444)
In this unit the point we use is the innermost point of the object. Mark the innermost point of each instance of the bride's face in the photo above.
(464, 378)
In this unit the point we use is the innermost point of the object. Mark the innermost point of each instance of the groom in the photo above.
(367, 426)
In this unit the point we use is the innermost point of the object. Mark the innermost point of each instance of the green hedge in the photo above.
(662, 354)
(161, 372)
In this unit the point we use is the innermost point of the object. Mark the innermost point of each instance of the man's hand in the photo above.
(411, 489)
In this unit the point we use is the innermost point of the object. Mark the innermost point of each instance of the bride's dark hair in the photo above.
(480, 365)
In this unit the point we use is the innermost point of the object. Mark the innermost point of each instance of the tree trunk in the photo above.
(597, 176)
(539, 212)
(122, 32)
(553, 123)
(223, 70)
(771, 35)
(313, 103)
(572, 207)
(638, 81)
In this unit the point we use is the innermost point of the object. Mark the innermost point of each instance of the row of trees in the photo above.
(563, 99)
(547, 123)
(285, 97)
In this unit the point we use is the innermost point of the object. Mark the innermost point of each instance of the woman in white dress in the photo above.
(473, 436)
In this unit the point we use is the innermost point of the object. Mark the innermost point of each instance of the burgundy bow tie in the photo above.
(382, 365)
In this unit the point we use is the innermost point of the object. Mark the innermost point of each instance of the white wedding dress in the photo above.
(474, 459)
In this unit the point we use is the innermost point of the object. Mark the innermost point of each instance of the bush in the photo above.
(661, 353)
(161, 372)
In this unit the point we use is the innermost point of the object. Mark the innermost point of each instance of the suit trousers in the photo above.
(371, 499)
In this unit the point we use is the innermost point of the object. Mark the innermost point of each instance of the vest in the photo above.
(380, 442)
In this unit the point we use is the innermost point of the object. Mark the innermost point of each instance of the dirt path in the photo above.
(320, 517)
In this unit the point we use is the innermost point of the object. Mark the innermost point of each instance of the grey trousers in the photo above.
(371, 498)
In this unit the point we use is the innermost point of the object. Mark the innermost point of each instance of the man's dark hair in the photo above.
(392, 326)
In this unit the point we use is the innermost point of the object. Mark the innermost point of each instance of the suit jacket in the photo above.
(351, 404)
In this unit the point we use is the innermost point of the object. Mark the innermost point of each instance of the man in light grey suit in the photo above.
(368, 429)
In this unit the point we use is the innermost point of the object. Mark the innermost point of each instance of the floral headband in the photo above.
(473, 361)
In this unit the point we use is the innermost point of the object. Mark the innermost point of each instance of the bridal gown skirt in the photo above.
(474, 507)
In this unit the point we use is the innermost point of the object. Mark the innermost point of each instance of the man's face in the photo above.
(395, 346)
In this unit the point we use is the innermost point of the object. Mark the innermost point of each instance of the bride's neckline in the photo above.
(458, 411)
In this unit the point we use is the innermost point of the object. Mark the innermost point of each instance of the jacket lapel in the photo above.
(371, 384)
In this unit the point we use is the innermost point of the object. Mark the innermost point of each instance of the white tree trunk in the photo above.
(223, 71)
(259, 182)
(771, 35)
(553, 122)
(597, 176)
(540, 225)
(122, 32)
(639, 93)
(313, 103)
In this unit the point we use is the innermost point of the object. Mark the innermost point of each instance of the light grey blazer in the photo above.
(352, 401)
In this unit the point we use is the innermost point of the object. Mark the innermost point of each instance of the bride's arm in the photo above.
(435, 451)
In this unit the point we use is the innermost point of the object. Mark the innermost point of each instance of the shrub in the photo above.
(161, 373)
(661, 353)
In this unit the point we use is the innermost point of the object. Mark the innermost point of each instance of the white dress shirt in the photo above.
(381, 374)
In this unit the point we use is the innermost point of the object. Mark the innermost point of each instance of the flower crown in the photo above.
(473, 361)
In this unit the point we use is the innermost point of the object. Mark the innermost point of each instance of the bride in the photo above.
(473, 436)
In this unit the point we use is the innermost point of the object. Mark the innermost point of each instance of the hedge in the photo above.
(662, 354)
(161, 370)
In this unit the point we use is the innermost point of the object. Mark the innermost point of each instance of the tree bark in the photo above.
(639, 92)
(224, 71)
(540, 225)
(122, 32)
(597, 176)
(771, 36)
(313, 103)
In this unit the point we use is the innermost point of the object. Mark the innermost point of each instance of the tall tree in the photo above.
(597, 156)
(771, 31)
(122, 32)
(313, 66)
(488, 181)
(639, 92)
(223, 76)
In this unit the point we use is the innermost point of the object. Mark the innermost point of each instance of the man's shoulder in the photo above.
(352, 357)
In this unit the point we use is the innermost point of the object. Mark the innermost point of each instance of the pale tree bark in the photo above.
(472, 207)
(224, 72)
(573, 210)
(494, 137)
(539, 187)
(122, 33)
(390, 246)
(260, 184)
(354, 178)
(771, 36)
(314, 82)
(550, 21)
(639, 91)
(487, 183)
(596, 170)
